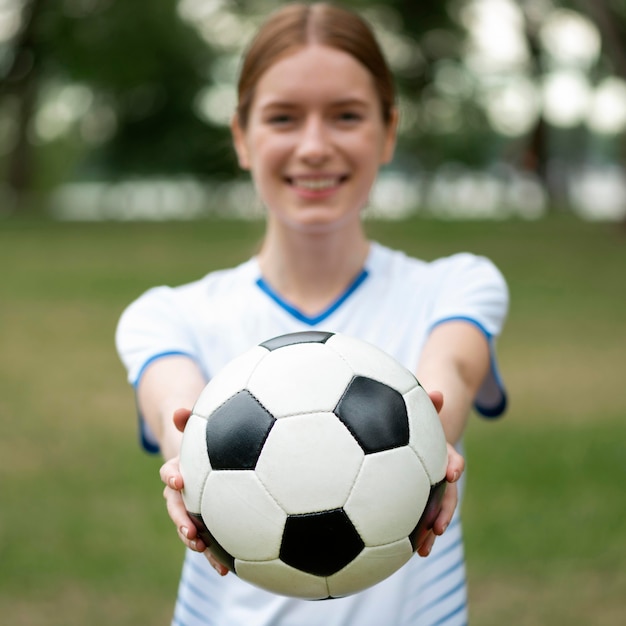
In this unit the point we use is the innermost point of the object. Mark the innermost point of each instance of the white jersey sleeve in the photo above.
(471, 288)
(153, 326)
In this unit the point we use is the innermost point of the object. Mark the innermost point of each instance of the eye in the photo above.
(280, 119)
(349, 117)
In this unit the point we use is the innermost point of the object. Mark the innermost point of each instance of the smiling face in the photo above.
(315, 138)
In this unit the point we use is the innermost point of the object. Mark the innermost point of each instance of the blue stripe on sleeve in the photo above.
(497, 409)
(146, 438)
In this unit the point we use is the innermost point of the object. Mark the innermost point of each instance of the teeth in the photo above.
(316, 184)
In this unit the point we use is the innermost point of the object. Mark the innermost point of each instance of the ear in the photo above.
(239, 142)
(389, 144)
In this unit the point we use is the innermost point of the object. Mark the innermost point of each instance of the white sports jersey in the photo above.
(394, 303)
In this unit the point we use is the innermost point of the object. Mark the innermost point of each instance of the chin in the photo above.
(321, 222)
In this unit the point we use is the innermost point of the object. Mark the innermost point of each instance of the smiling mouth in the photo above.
(317, 184)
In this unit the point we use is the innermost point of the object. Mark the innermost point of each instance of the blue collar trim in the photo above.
(320, 317)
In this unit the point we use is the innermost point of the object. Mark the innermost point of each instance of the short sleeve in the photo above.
(471, 288)
(153, 326)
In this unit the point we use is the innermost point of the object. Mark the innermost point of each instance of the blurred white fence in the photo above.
(453, 192)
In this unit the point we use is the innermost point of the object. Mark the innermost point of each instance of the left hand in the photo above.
(456, 465)
(173, 480)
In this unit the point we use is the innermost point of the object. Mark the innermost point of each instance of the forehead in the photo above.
(315, 73)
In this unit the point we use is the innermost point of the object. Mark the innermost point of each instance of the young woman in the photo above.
(315, 121)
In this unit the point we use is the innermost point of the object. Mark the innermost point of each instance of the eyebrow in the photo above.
(352, 102)
(289, 104)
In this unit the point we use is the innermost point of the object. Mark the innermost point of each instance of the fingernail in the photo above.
(193, 544)
(172, 482)
(185, 531)
(444, 528)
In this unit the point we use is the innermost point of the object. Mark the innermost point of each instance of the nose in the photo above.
(314, 144)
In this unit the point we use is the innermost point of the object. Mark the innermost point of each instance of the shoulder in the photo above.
(389, 262)
(214, 283)
(175, 311)
(455, 268)
(167, 320)
(459, 286)
(465, 266)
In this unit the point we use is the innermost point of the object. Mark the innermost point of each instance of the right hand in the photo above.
(173, 480)
(454, 470)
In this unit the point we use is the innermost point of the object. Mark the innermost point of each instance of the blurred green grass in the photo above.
(84, 536)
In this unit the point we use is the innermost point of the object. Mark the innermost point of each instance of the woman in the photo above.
(315, 121)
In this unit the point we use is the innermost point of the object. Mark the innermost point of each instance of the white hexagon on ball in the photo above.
(309, 463)
(388, 496)
(242, 516)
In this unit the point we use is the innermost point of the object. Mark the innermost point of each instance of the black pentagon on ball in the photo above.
(375, 414)
(236, 432)
(290, 339)
(320, 543)
(226, 559)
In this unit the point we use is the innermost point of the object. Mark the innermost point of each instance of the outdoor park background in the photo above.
(113, 182)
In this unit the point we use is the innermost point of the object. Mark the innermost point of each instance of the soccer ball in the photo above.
(311, 463)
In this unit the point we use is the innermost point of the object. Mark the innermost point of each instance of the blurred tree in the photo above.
(610, 19)
(536, 152)
(139, 66)
(425, 41)
(148, 66)
(18, 92)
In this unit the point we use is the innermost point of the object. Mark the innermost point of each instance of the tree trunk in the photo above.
(21, 84)
(613, 32)
(536, 154)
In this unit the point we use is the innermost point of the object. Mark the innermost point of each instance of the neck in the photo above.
(311, 271)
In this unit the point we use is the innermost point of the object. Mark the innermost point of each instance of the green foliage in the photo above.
(147, 66)
(143, 61)
(84, 536)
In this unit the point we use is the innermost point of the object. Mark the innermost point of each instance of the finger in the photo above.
(426, 545)
(448, 506)
(178, 514)
(192, 542)
(456, 465)
(170, 474)
(222, 570)
(436, 397)
(181, 417)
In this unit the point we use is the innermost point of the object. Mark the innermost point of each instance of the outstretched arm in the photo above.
(167, 385)
(454, 361)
